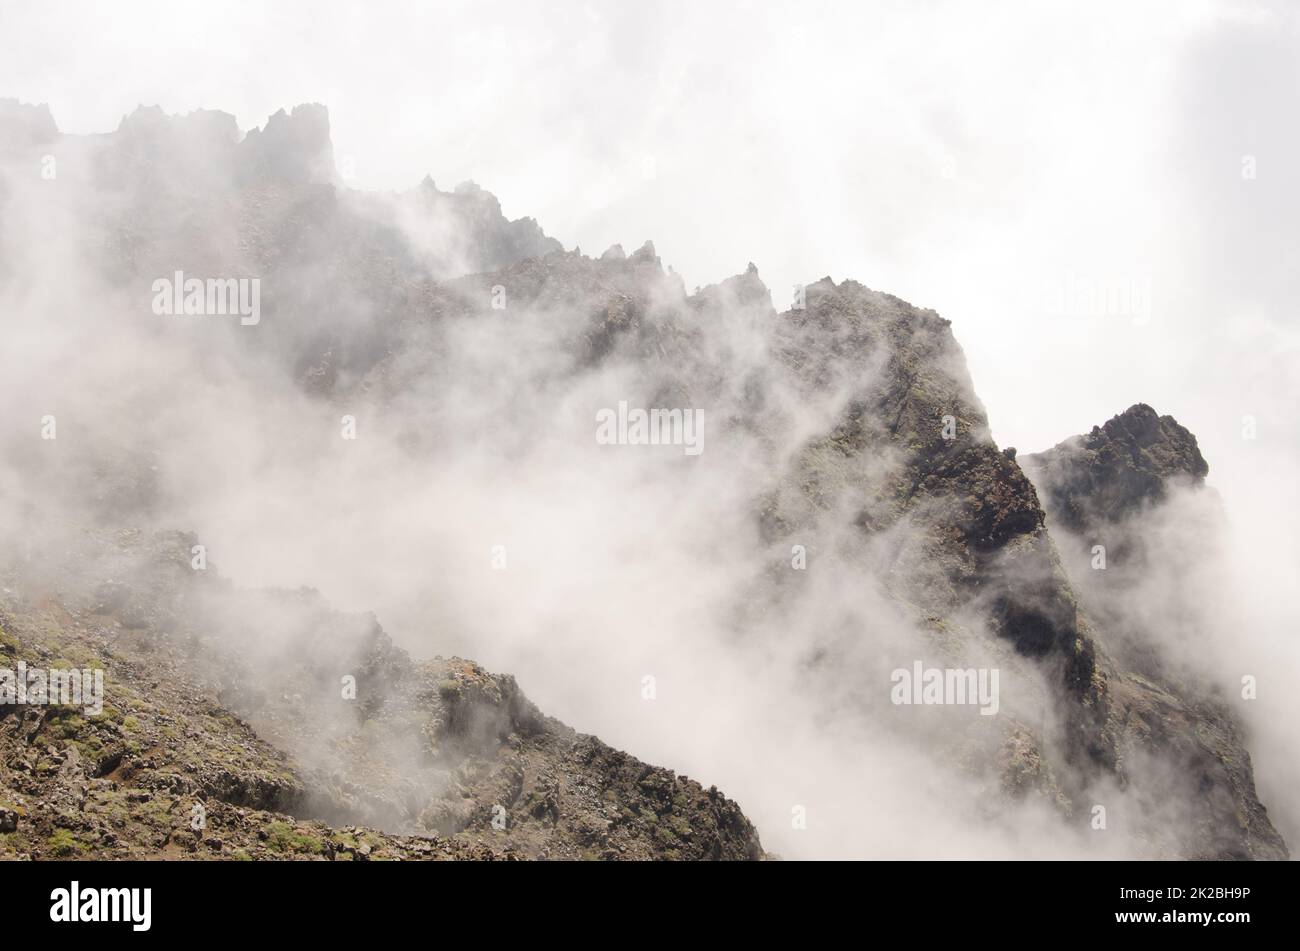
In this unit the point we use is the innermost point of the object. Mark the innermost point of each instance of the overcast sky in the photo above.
(991, 161)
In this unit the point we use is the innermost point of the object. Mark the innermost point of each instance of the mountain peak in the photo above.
(23, 124)
(1116, 468)
(645, 254)
(292, 146)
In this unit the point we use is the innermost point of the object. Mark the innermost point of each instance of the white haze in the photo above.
(970, 159)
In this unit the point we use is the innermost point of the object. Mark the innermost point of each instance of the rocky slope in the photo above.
(407, 760)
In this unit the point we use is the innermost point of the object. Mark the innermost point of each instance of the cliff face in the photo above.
(871, 523)
(902, 481)
(1129, 506)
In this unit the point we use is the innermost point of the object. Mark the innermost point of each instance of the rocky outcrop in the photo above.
(192, 193)
(1111, 472)
(1178, 739)
(24, 126)
(350, 750)
(292, 147)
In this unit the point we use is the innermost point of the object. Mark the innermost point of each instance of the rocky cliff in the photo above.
(845, 430)
(1110, 496)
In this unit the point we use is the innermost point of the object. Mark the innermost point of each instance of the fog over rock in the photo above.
(409, 429)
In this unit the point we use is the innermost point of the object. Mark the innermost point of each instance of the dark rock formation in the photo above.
(1168, 717)
(1115, 469)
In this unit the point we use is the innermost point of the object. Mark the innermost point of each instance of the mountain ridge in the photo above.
(856, 410)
